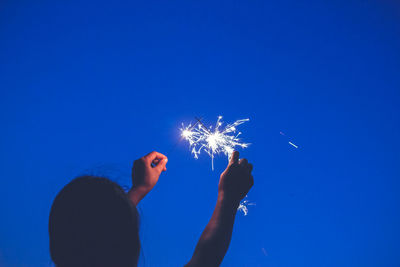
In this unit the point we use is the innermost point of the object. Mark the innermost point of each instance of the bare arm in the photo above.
(234, 184)
(215, 239)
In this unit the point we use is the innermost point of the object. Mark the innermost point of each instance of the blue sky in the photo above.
(89, 86)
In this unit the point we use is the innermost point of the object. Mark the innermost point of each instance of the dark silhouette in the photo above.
(93, 222)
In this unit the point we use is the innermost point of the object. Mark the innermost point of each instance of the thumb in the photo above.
(161, 165)
(234, 158)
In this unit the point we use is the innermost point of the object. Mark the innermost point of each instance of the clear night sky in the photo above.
(89, 86)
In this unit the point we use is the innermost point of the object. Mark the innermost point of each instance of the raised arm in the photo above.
(145, 174)
(234, 184)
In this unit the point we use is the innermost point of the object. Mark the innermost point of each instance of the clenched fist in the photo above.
(145, 174)
(236, 180)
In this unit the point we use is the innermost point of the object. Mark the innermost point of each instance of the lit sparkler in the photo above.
(213, 141)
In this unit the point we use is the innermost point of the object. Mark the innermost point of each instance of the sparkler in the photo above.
(213, 141)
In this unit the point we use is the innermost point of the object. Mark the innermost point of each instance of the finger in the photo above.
(154, 155)
(161, 166)
(243, 162)
(155, 163)
(234, 157)
(250, 167)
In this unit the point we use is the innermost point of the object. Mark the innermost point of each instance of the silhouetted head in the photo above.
(93, 223)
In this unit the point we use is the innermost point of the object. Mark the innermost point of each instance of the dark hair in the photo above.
(93, 223)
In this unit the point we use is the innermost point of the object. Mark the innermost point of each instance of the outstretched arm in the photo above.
(145, 174)
(233, 186)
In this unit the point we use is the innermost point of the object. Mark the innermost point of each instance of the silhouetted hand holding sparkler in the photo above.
(234, 184)
(145, 174)
(236, 180)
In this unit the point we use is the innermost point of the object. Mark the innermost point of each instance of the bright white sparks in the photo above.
(220, 140)
(243, 206)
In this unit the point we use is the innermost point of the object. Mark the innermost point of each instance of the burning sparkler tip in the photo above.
(213, 141)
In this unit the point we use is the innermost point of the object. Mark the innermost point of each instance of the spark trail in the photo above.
(213, 141)
(290, 143)
(293, 145)
(243, 206)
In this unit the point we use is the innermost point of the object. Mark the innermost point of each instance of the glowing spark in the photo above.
(213, 141)
(243, 206)
(290, 143)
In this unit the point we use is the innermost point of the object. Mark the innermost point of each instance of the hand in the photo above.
(145, 174)
(236, 180)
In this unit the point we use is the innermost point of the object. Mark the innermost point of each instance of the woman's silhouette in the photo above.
(93, 222)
